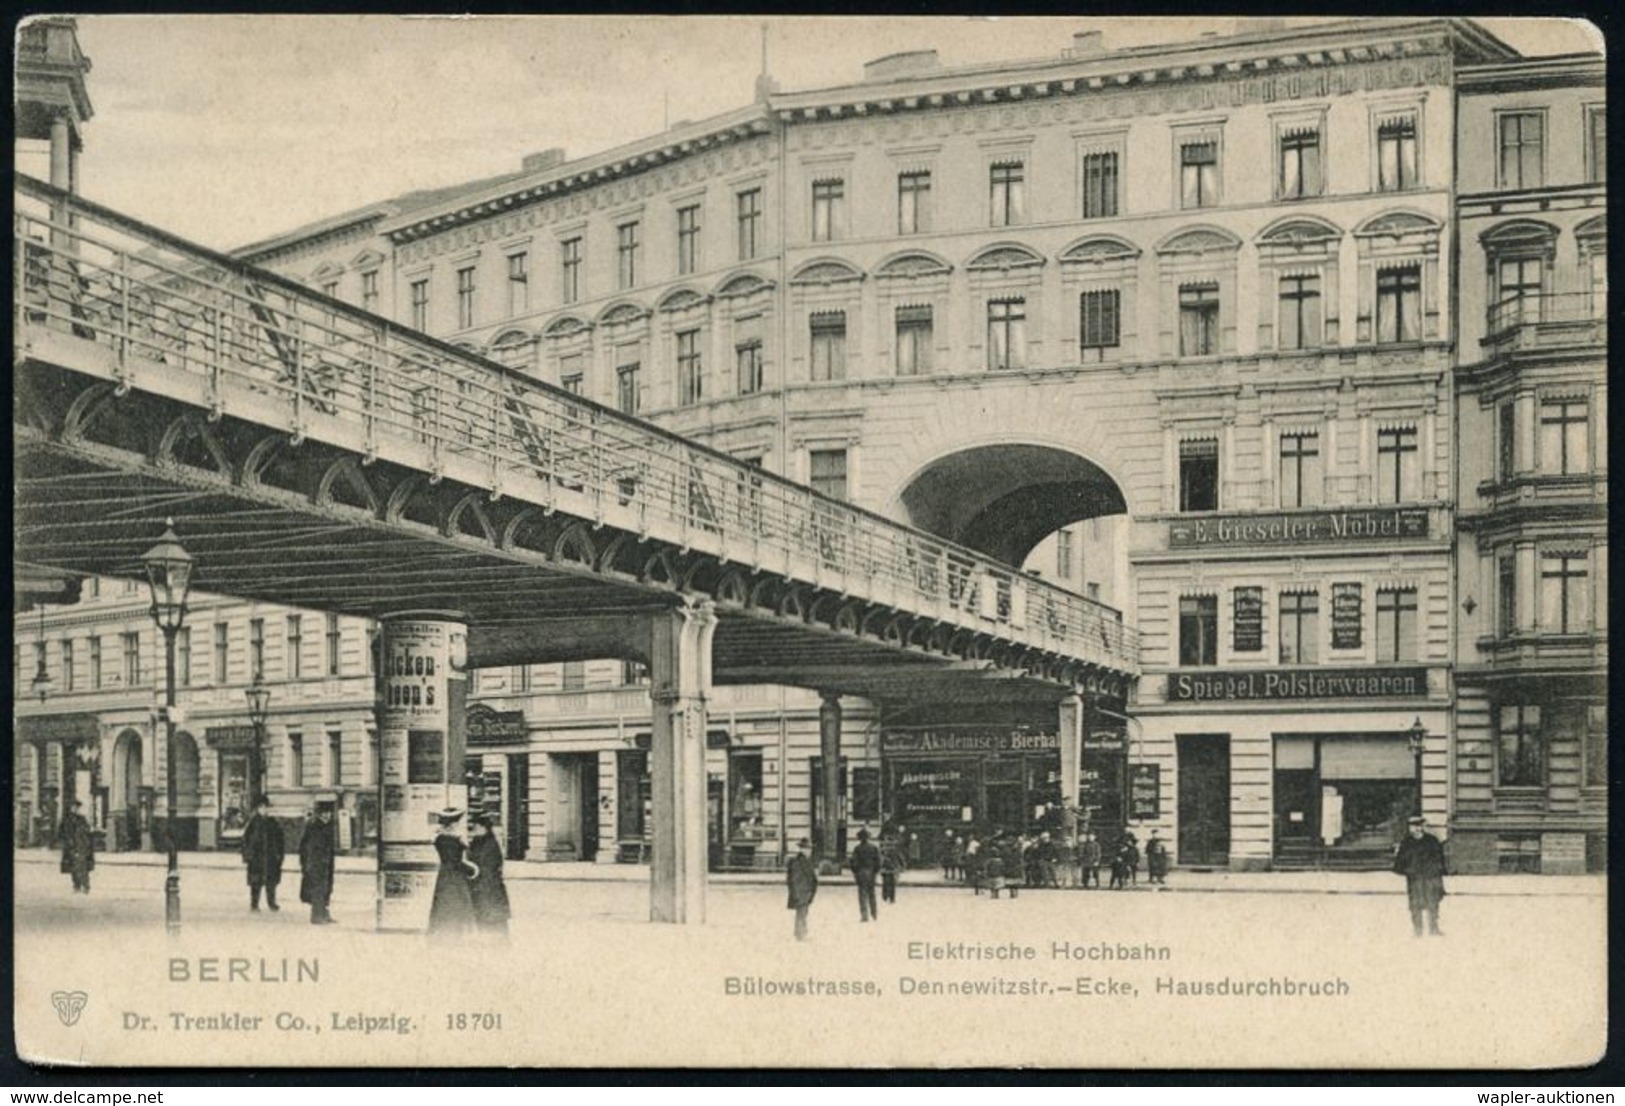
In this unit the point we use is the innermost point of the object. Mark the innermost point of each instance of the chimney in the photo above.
(547, 159)
(1087, 44)
(905, 64)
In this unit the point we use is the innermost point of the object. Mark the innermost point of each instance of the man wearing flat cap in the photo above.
(1420, 859)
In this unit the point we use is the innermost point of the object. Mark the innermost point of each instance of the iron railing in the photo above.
(1560, 309)
(201, 328)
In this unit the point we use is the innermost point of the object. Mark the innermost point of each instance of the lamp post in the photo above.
(1415, 739)
(41, 683)
(259, 707)
(169, 575)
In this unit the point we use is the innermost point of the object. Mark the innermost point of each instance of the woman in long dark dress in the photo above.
(453, 911)
(489, 894)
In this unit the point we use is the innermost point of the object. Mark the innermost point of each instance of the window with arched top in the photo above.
(1399, 278)
(1101, 273)
(1519, 255)
(1196, 271)
(1592, 239)
(1298, 285)
(515, 349)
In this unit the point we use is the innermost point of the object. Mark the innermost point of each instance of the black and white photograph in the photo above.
(810, 542)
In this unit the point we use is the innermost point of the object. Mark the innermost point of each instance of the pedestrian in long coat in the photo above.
(451, 915)
(486, 889)
(865, 863)
(802, 879)
(263, 849)
(78, 848)
(1156, 859)
(1420, 859)
(316, 859)
(891, 863)
(1089, 860)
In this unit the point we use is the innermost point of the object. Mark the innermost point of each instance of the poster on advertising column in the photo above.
(420, 734)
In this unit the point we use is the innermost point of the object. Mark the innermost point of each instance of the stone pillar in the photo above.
(680, 677)
(61, 153)
(829, 752)
(422, 736)
(1070, 731)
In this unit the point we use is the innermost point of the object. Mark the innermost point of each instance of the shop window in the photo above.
(1597, 144)
(1300, 312)
(1397, 461)
(1565, 427)
(1199, 174)
(1520, 142)
(690, 369)
(826, 472)
(1396, 154)
(688, 239)
(1399, 304)
(746, 821)
(1298, 163)
(1198, 320)
(626, 255)
(1300, 468)
(1006, 334)
(1199, 475)
(132, 658)
(828, 210)
(828, 333)
(748, 220)
(1506, 437)
(1396, 624)
(1100, 177)
(465, 298)
(632, 795)
(518, 283)
(1506, 594)
(1007, 194)
(1565, 595)
(1099, 323)
(914, 202)
(1520, 747)
(1198, 630)
(1596, 746)
(1300, 628)
(419, 290)
(914, 338)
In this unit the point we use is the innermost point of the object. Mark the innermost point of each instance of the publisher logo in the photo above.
(69, 1005)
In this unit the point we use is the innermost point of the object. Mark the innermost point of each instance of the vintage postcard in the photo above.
(803, 542)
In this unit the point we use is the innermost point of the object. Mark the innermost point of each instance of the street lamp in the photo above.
(169, 575)
(41, 683)
(259, 706)
(1415, 739)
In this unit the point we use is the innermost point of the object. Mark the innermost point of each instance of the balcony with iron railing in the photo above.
(1547, 321)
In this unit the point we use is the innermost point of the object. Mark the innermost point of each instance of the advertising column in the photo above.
(421, 722)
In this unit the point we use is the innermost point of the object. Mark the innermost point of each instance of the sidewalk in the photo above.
(1305, 883)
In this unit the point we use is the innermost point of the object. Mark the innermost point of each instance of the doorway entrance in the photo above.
(572, 825)
(1204, 799)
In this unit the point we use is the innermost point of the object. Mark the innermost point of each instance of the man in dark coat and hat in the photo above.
(316, 850)
(802, 879)
(78, 847)
(263, 848)
(1420, 859)
(865, 865)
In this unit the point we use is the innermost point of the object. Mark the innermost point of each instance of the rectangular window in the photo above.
(572, 374)
(1397, 460)
(914, 338)
(828, 209)
(573, 675)
(518, 283)
(1063, 555)
(626, 255)
(1396, 624)
(183, 656)
(1396, 154)
(296, 646)
(296, 760)
(1007, 194)
(1199, 174)
(420, 305)
(222, 641)
(1565, 426)
(1006, 334)
(256, 649)
(369, 291)
(826, 472)
(628, 394)
(132, 659)
(333, 642)
(1198, 630)
(1199, 475)
(68, 682)
(828, 332)
(690, 369)
(1597, 144)
(519, 678)
(634, 674)
(1100, 185)
(1300, 628)
(1198, 320)
(465, 298)
(95, 663)
(1301, 480)
(1565, 597)
(1596, 746)
(1299, 171)
(1520, 159)
(335, 758)
(748, 363)
(1099, 323)
(1399, 304)
(570, 270)
(1506, 435)
(1519, 283)
(748, 212)
(688, 240)
(914, 202)
(1506, 595)
(1521, 750)
(1300, 312)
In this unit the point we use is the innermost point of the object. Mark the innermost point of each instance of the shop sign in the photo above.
(1299, 528)
(1144, 792)
(231, 737)
(966, 741)
(714, 739)
(57, 727)
(1295, 683)
(495, 727)
(1248, 620)
(1346, 610)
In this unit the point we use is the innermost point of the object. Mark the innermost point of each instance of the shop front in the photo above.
(1341, 800)
(65, 765)
(234, 748)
